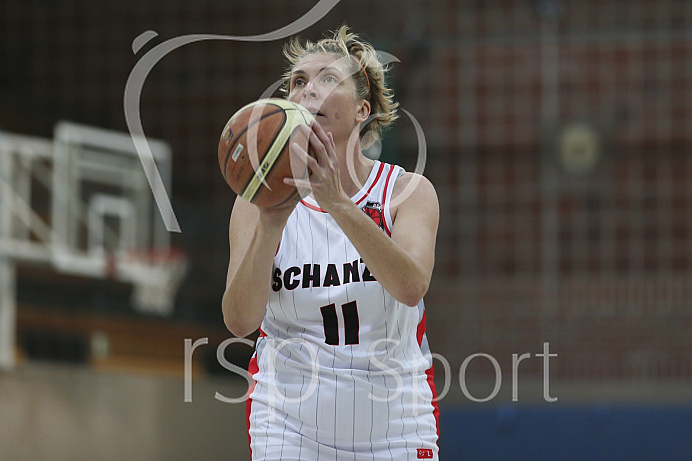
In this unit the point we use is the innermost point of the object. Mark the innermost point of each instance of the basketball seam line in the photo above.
(292, 196)
(269, 163)
(271, 167)
(250, 195)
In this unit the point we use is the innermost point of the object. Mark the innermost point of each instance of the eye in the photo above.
(330, 79)
(298, 82)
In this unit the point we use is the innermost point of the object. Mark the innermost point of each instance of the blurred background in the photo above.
(558, 134)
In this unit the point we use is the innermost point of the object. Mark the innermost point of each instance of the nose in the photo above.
(310, 90)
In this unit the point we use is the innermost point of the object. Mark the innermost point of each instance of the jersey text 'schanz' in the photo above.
(311, 276)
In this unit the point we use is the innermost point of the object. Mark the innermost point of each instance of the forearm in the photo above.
(247, 291)
(405, 278)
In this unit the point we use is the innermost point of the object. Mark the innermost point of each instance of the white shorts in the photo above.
(278, 437)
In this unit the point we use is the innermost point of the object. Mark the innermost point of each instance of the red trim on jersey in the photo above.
(421, 329)
(251, 369)
(379, 173)
(436, 408)
(384, 201)
(312, 207)
(430, 372)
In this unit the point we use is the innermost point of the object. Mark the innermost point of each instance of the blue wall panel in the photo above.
(563, 433)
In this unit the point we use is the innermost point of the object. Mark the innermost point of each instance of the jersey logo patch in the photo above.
(424, 453)
(374, 210)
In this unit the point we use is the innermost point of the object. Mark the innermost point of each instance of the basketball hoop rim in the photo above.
(131, 264)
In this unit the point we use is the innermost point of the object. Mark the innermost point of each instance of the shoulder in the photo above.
(413, 186)
(415, 191)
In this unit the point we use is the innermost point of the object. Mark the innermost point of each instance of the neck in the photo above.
(354, 168)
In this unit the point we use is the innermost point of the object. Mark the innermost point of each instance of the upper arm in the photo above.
(415, 218)
(241, 228)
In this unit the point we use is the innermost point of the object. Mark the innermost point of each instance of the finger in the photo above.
(313, 140)
(318, 145)
(298, 150)
(323, 136)
(302, 184)
(319, 131)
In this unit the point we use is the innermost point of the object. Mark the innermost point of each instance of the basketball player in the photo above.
(335, 284)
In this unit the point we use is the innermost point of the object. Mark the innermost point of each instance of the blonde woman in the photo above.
(335, 284)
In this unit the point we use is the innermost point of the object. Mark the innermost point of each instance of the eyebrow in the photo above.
(302, 72)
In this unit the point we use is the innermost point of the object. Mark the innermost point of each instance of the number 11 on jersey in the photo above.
(331, 323)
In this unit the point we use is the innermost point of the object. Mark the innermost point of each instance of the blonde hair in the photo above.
(366, 70)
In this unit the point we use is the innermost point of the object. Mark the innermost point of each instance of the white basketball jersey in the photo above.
(342, 369)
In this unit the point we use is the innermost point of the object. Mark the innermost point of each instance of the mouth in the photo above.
(315, 113)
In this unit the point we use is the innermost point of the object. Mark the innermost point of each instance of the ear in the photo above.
(363, 111)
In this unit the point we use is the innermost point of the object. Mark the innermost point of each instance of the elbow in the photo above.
(234, 327)
(238, 328)
(240, 332)
(411, 301)
(413, 294)
(238, 322)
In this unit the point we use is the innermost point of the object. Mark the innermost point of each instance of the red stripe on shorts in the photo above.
(430, 372)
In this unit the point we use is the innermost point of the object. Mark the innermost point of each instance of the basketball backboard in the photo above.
(102, 203)
(81, 203)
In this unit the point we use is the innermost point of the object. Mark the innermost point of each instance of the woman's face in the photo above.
(322, 83)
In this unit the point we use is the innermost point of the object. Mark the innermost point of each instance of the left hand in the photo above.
(325, 181)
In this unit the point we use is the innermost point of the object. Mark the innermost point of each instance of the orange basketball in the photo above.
(254, 153)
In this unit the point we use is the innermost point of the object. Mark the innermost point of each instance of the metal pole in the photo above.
(8, 301)
(8, 312)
